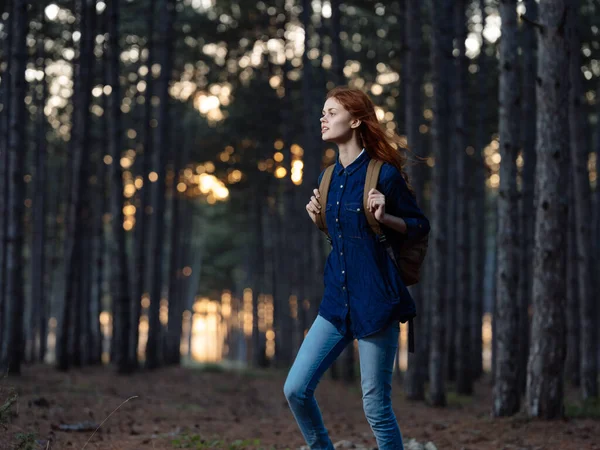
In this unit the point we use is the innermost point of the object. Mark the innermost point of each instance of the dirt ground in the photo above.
(192, 408)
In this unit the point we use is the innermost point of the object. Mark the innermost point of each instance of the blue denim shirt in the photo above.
(360, 278)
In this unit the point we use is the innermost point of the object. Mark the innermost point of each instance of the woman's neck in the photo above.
(348, 152)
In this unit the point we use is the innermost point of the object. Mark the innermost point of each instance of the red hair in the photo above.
(377, 142)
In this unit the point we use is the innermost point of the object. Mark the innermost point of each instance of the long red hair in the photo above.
(380, 145)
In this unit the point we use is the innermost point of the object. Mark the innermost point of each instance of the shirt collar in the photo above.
(354, 165)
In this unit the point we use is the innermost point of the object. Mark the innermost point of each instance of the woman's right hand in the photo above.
(313, 207)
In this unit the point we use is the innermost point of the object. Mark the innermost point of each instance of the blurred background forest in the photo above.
(156, 157)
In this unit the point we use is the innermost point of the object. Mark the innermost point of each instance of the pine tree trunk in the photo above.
(414, 382)
(477, 211)
(337, 51)
(583, 205)
(175, 298)
(167, 17)
(39, 313)
(5, 182)
(17, 151)
(441, 61)
(547, 351)
(506, 384)
(143, 216)
(117, 250)
(464, 382)
(526, 225)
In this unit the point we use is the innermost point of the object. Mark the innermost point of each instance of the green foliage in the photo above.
(456, 400)
(589, 409)
(10, 396)
(195, 441)
(25, 441)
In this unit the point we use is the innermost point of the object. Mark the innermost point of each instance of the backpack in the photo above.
(411, 254)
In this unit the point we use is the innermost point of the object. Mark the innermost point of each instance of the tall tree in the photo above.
(545, 385)
(477, 208)
(17, 150)
(526, 225)
(441, 62)
(117, 252)
(143, 215)
(414, 383)
(582, 197)
(175, 297)
(464, 383)
(165, 51)
(506, 389)
(5, 173)
(72, 241)
(39, 310)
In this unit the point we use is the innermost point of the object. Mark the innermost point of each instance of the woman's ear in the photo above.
(355, 123)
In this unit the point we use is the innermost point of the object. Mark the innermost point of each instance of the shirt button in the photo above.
(341, 185)
(344, 287)
(338, 203)
(339, 235)
(343, 271)
(341, 253)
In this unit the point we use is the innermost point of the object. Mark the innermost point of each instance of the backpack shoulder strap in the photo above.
(323, 191)
(371, 183)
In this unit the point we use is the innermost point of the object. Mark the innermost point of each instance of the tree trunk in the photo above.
(143, 216)
(175, 298)
(547, 351)
(5, 177)
(464, 381)
(526, 225)
(39, 310)
(17, 151)
(414, 382)
(167, 17)
(477, 211)
(117, 252)
(337, 51)
(583, 205)
(506, 383)
(441, 61)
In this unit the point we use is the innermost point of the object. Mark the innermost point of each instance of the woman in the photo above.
(364, 297)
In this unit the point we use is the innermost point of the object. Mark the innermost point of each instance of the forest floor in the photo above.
(246, 409)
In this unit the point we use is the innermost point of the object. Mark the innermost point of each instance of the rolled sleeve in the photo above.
(400, 202)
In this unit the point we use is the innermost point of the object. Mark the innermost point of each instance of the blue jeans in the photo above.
(322, 345)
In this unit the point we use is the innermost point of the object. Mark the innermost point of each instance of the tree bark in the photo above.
(17, 151)
(583, 205)
(143, 216)
(506, 384)
(526, 225)
(441, 61)
(117, 251)
(167, 17)
(5, 182)
(39, 310)
(464, 381)
(547, 350)
(414, 382)
(477, 211)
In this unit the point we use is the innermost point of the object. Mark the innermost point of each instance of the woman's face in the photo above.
(336, 122)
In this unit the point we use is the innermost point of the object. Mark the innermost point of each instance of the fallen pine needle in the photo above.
(135, 396)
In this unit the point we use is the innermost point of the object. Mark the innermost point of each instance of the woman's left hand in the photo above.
(376, 204)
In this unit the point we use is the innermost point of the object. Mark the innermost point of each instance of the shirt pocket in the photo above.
(354, 221)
